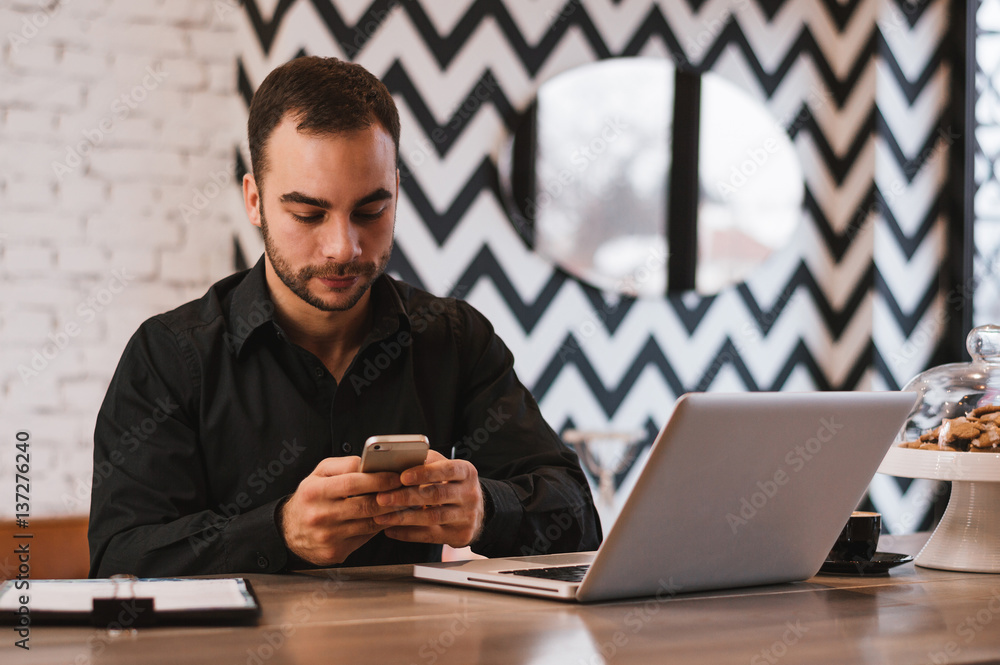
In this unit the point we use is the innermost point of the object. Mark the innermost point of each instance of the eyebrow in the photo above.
(379, 194)
(299, 197)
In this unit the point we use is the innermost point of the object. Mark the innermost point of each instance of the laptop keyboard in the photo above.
(561, 573)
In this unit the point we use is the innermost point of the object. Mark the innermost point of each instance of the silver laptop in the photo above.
(738, 490)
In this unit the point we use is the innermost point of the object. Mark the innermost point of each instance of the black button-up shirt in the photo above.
(213, 418)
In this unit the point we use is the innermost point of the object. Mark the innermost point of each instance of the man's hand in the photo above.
(332, 511)
(444, 499)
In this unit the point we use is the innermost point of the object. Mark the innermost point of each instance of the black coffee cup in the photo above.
(859, 539)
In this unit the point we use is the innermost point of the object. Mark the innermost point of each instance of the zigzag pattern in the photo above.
(910, 200)
(484, 178)
(838, 165)
(484, 265)
(400, 84)
(353, 38)
(654, 25)
(911, 89)
(911, 166)
(444, 222)
(913, 10)
(690, 311)
(652, 356)
(836, 320)
(445, 48)
(902, 171)
(812, 309)
(357, 36)
(907, 320)
(909, 243)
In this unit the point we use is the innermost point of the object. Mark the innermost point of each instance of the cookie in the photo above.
(982, 410)
(977, 431)
(990, 438)
(959, 429)
(931, 435)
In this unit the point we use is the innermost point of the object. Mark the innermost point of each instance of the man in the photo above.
(229, 436)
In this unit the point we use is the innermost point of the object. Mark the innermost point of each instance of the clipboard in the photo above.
(129, 602)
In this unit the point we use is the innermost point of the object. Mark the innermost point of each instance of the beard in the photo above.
(298, 281)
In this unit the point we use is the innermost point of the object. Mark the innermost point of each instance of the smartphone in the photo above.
(394, 452)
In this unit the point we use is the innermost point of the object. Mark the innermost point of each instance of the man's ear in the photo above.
(251, 199)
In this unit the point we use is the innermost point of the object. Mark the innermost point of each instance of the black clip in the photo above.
(122, 613)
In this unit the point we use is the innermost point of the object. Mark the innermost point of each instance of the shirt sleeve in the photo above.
(537, 497)
(151, 513)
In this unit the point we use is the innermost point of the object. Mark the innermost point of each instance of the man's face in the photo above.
(326, 211)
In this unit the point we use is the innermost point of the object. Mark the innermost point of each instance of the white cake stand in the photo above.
(968, 536)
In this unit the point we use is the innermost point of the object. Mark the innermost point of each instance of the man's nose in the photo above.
(339, 241)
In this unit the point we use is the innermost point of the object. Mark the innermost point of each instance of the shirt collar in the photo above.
(389, 311)
(252, 308)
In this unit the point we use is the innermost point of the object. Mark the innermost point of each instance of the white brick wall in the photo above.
(113, 115)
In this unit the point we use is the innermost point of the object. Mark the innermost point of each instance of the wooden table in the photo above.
(381, 615)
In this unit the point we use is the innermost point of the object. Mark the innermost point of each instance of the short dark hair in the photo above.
(327, 96)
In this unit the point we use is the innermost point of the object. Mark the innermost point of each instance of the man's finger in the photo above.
(417, 534)
(363, 507)
(430, 516)
(334, 466)
(438, 472)
(337, 488)
(353, 484)
(424, 495)
(353, 511)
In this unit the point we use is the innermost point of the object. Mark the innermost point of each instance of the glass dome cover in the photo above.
(955, 389)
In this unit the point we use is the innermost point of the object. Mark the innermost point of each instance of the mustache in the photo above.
(335, 271)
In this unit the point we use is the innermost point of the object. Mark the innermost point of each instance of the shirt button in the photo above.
(261, 561)
(319, 372)
(346, 447)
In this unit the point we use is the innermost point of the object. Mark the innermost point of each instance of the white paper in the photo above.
(168, 594)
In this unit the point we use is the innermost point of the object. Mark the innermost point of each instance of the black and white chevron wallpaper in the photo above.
(860, 85)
